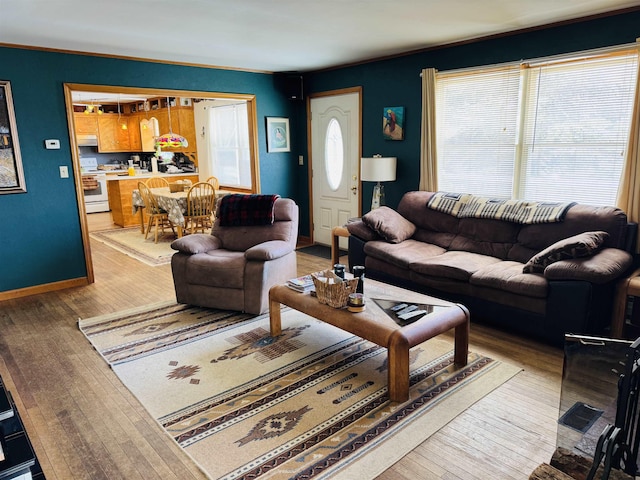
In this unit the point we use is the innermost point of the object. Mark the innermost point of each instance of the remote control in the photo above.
(408, 309)
(413, 313)
(400, 306)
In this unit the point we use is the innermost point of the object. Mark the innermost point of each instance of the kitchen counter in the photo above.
(120, 190)
(171, 177)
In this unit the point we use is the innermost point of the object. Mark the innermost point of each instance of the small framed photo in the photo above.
(278, 135)
(393, 123)
(11, 173)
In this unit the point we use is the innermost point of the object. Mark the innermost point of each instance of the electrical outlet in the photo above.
(64, 171)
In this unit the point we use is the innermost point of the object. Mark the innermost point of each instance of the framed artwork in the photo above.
(11, 174)
(278, 134)
(393, 123)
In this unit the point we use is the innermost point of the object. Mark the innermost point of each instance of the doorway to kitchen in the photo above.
(96, 97)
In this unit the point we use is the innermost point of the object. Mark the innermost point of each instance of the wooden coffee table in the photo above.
(375, 325)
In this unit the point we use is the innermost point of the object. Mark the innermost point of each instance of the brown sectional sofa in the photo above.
(480, 263)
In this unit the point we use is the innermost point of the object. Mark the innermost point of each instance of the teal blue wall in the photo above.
(40, 233)
(396, 82)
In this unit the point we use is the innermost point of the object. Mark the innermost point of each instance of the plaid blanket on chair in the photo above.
(236, 210)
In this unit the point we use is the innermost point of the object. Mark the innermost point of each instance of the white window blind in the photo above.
(556, 131)
(230, 145)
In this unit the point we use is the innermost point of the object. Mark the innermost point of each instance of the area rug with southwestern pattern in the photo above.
(131, 242)
(310, 403)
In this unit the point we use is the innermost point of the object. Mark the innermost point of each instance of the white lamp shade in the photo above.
(378, 169)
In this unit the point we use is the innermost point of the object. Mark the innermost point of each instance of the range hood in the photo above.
(87, 140)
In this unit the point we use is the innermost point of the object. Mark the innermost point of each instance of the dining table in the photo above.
(174, 203)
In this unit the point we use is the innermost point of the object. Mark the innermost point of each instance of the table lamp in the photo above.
(378, 169)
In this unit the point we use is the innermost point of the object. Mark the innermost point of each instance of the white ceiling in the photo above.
(273, 35)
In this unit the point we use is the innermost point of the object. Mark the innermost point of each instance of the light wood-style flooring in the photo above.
(85, 424)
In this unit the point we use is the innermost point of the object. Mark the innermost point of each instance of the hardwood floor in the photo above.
(85, 424)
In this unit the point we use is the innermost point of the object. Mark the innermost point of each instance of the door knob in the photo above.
(354, 189)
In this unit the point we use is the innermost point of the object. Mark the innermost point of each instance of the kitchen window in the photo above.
(230, 152)
(549, 130)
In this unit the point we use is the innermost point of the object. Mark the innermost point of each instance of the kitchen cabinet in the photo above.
(111, 136)
(135, 139)
(86, 124)
(187, 124)
(163, 120)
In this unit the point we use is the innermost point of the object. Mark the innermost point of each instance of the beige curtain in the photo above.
(428, 157)
(629, 189)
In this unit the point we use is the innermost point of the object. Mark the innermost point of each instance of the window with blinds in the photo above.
(554, 131)
(230, 152)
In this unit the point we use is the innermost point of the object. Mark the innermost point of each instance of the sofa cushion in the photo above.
(580, 218)
(508, 276)
(605, 266)
(228, 265)
(488, 237)
(452, 264)
(401, 254)
(389, 224)
(581, 245)
(413, 207)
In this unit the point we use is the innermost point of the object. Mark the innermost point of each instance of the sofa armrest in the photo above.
(600, 268)
(359, 229)
(196, 243)
(268, 250)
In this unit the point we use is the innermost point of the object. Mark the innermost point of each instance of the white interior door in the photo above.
(335, 150)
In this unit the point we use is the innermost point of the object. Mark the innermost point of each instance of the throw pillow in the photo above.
(581, 245)
(389, 224)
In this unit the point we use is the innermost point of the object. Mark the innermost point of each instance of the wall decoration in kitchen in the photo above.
(393, 123)
(278, 134)
(11, 173)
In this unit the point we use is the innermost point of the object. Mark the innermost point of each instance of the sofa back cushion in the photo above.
(488, 237)
(431, 226)
(579, 218)
(508, 240)
(241, 238)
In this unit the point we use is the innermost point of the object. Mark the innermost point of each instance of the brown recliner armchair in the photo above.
(234, 267)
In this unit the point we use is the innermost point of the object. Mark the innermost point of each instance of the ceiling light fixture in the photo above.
(171, 140)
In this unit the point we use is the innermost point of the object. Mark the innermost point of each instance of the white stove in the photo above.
(94, 184)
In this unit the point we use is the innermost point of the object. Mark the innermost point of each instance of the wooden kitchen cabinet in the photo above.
(111, 136)
(163, 120)
(187, 127)
(86, 124)
(135, 139)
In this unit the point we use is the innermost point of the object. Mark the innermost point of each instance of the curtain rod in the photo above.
(549, 59)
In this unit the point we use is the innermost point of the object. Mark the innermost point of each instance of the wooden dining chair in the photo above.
(157, 216)
(213, 181)
(157, 182)
(201, 200)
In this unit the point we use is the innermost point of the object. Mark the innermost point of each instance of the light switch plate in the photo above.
(64, 171)
(300, 160)
(52, 144)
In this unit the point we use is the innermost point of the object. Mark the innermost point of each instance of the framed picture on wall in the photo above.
(278, 134)
(393, 123)
(11, 174)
